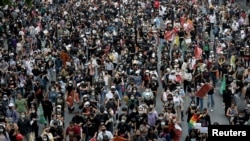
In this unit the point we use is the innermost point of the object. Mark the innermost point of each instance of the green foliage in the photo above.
(10, 2)
(29, 2)
(5, 2)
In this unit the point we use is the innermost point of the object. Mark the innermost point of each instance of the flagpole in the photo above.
(136, 16)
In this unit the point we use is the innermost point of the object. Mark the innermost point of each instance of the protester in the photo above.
(99, 60)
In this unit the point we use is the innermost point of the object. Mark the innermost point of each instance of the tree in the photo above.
(10, 2)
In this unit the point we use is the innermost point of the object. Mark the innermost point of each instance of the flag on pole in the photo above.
(193, 120)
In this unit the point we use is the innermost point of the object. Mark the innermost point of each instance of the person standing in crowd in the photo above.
(210, 100)
(11, 114)
(112, 50)
(72, 131)
(21, 104)
(24, 126)
(232, 114)
(104, 135)
(39, 91)
(48, 108)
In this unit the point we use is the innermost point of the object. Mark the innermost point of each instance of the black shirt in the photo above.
(48, 106)
(56, 132)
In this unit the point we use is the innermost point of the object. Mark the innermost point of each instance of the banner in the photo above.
(203, 91)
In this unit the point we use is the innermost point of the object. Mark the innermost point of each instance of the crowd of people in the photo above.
(109, 64)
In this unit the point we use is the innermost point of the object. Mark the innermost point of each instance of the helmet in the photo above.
(147, 95)
(87, 104)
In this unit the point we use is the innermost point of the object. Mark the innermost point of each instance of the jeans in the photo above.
(210, 101)
(118, 88)
(199, 102)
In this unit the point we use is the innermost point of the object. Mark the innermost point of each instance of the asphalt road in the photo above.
(216, 116)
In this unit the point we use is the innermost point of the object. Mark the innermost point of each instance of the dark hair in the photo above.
(216, 123)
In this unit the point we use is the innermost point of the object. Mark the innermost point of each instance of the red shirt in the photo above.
(73, 131)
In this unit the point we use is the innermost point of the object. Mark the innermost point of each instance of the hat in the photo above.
(11, 105)
(19, 137)
(172, 71)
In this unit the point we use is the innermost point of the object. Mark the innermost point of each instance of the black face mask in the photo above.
(169, 99)
(103, 130)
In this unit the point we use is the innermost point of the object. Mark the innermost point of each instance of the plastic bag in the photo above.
(42, 119)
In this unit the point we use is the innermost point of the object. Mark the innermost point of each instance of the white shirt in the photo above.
(177, 101)
(116, 57)
(162, 10)
(100, 135)
(212, 18)
(106, 80)
(172, 77)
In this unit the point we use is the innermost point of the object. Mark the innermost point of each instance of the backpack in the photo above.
(164, 137)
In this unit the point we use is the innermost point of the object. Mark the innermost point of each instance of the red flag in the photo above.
(156, 4)
(93, 139)
(168, 35)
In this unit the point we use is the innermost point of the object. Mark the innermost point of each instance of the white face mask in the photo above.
(140, 112)
(160, 118)
(123, 120)
(132, 97)
(22, 116)
(174, 120)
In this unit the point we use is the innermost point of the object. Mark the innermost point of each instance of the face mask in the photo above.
(123, 121)
(132, 98)
(140, 112)
(160, 118)
(134, 111)
(192, 105)
(33, 111)
(174, 120)
(1, 130)
(22, 116)
(4, 99)
(176, 95)
(103, 130)
(134, 91)
(163, 123)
